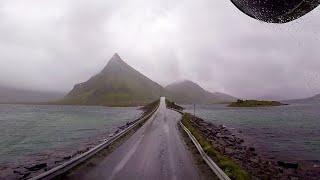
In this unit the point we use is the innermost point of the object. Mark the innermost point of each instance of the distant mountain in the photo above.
(14, 95)
(315, 98)
(188, 92)
(117, 84)
(271, 97)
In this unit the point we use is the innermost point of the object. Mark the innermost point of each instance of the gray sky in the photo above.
(51, 45)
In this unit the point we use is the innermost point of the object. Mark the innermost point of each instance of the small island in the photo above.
(255, 103)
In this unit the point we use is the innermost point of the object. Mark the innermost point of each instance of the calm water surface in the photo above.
(285, 132)
(27, 130)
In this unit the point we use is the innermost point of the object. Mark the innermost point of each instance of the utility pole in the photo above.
(194, 110)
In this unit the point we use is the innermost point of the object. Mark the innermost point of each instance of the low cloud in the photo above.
(51, 45)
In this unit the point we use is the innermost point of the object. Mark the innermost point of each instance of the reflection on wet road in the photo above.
(155, 151)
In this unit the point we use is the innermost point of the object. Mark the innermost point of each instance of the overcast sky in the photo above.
(51, 45)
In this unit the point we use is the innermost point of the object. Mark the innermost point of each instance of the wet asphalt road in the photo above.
(155, 151)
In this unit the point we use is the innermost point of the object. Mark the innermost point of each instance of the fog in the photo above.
(52, 45)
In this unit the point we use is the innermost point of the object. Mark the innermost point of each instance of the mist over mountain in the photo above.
(14, 95)
(188, 92)
(117, 84)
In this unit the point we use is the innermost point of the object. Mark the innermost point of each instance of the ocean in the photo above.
(40, 133)
(287, 133)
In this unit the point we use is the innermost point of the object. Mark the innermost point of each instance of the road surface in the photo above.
(155, 151)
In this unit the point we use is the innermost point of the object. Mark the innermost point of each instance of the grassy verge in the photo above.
(231, 168)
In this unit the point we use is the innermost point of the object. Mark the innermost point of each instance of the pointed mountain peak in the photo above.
(115, 61)
(118, 84)
(115, 58)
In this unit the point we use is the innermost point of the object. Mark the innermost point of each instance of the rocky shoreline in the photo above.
(259, 167)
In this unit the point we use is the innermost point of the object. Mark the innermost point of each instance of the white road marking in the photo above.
(125, 159)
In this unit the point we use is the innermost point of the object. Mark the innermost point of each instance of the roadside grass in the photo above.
(231, 168)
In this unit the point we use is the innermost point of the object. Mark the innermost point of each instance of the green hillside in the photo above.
(117, 84)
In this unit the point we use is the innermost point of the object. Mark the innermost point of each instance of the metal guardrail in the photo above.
(65, 167)
(213, 166)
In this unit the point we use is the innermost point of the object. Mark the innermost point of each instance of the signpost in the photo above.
(194, 109)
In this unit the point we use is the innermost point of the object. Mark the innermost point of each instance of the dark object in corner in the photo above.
(276, 11)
